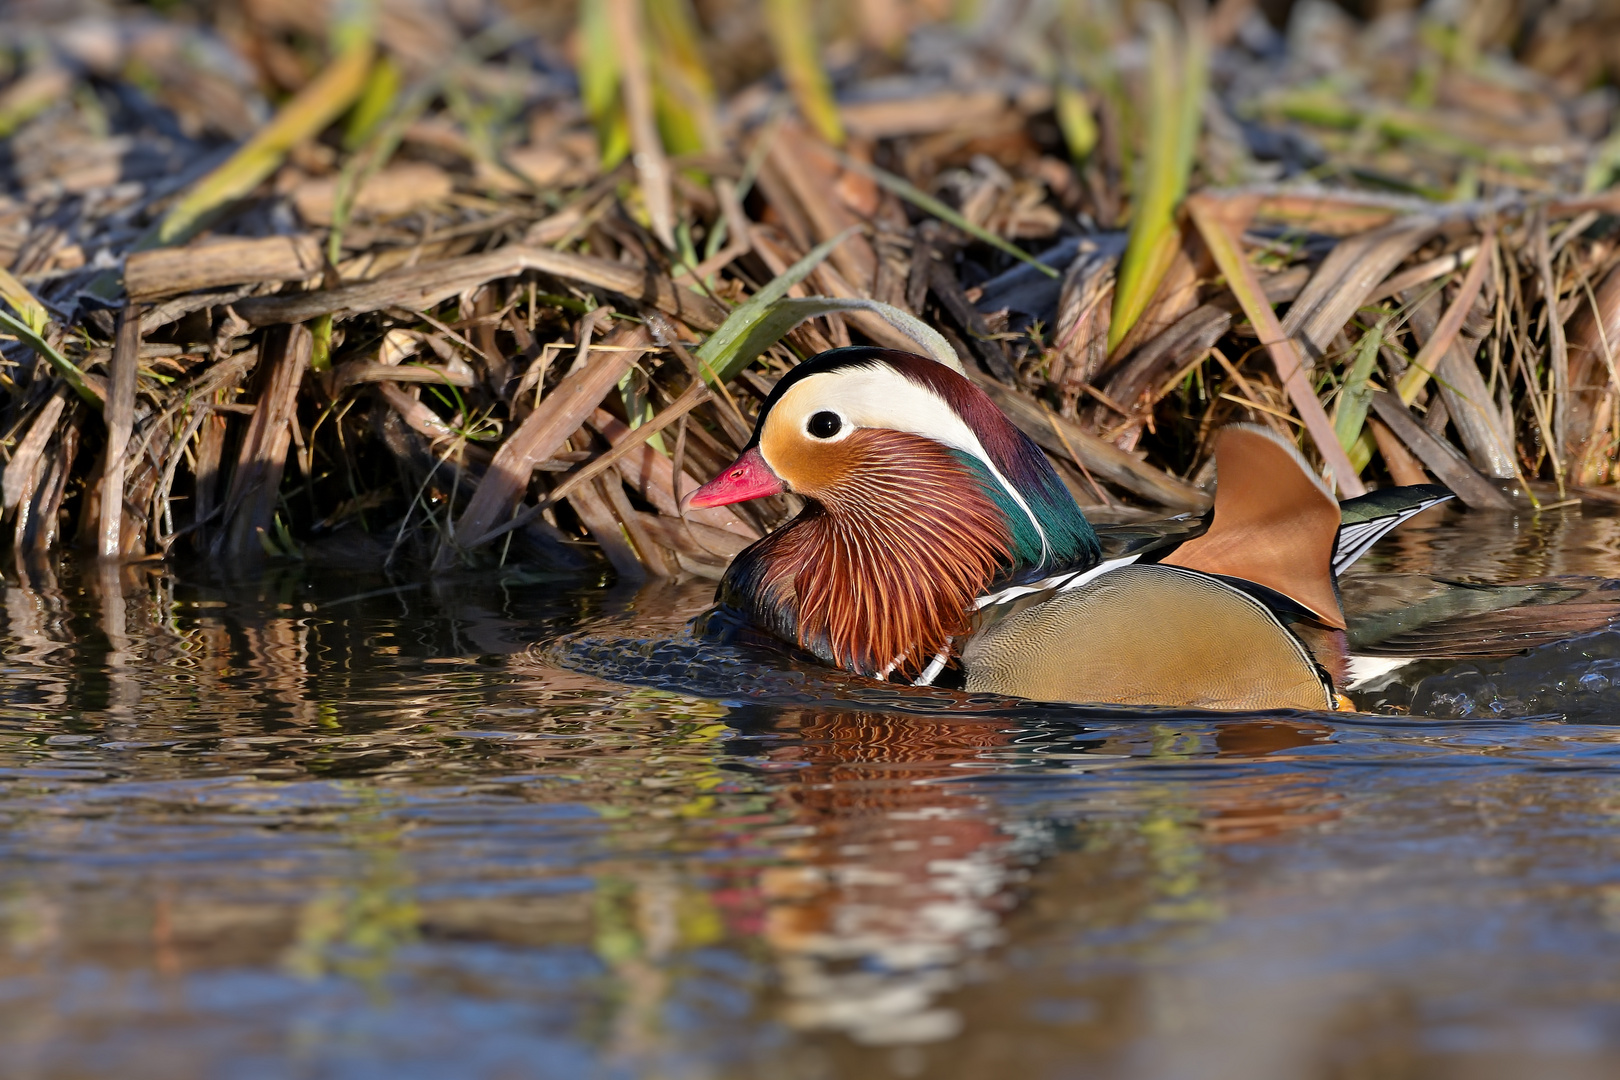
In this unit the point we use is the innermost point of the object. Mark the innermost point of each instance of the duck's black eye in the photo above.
(824, 425)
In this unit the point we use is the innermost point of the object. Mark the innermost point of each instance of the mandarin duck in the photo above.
(936, 535)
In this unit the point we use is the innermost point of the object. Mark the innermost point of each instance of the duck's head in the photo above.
(921, 495)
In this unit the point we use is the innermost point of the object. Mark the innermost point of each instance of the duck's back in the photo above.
(1149, 635)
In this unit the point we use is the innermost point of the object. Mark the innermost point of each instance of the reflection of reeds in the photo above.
(400, 276)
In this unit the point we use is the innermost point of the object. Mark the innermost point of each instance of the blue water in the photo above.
(298, 827)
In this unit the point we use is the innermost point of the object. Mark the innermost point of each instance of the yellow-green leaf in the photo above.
(1075, 120)
(793, 33)
(682, 89)
(599, 82)
(309, 112)
(35, 339)
(1177, 74)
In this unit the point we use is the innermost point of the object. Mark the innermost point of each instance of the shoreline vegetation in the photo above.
(445, 285)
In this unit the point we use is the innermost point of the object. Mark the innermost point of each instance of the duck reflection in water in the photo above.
(905, 868)
(898, 877)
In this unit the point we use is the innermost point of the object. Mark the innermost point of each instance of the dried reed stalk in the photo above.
(560, 414)
(250, 501)
(120, 417)
(1243, 281)
(487, 238)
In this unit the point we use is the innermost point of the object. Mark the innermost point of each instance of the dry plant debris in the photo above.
(446, 284)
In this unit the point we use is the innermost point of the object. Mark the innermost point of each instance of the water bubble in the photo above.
(1451, 705)
(1453, 694)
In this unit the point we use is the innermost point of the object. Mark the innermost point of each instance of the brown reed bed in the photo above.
(452, 285)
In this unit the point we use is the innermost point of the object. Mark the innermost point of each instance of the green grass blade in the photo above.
(62, 365)
(783, 315)
(1356, 395)
(30, 324)
(599, 82)
(683, 91)
(1176, 82)
(375, 104)
(1194, 86)
(718, 354)
(1327, 106)
(1074, 118)
(31, 311)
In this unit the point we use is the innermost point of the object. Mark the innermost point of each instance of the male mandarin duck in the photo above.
(936, 534)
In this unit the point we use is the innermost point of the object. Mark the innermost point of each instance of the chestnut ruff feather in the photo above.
(883, 567)
(882, 573)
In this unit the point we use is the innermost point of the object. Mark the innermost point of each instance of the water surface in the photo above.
(318, 825)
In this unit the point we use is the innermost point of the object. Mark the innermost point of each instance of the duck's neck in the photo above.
(879, 576)
(1048, 530)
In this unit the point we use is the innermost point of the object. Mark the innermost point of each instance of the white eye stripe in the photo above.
(879, 397)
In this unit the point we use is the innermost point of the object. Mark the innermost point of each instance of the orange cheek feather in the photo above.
(812, 467)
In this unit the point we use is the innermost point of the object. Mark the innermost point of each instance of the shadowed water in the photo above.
(310, 826)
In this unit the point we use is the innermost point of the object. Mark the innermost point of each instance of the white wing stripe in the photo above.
(1057, 582)
(1354, 540)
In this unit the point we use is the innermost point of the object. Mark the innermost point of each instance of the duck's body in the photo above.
(937, 535)
(1153, 635)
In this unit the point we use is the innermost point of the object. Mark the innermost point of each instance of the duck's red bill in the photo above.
(746, 478)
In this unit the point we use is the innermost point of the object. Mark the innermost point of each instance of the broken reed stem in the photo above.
(693, 396)
(1603, 337)
(542, 433)
(1434, 350)
(1557, 349)
(422, 288)
(250, 503)
(1423, 273)
(1439, 456)
(1250, 399)
(120, 417)
(1404, 468)
(1079, 463)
